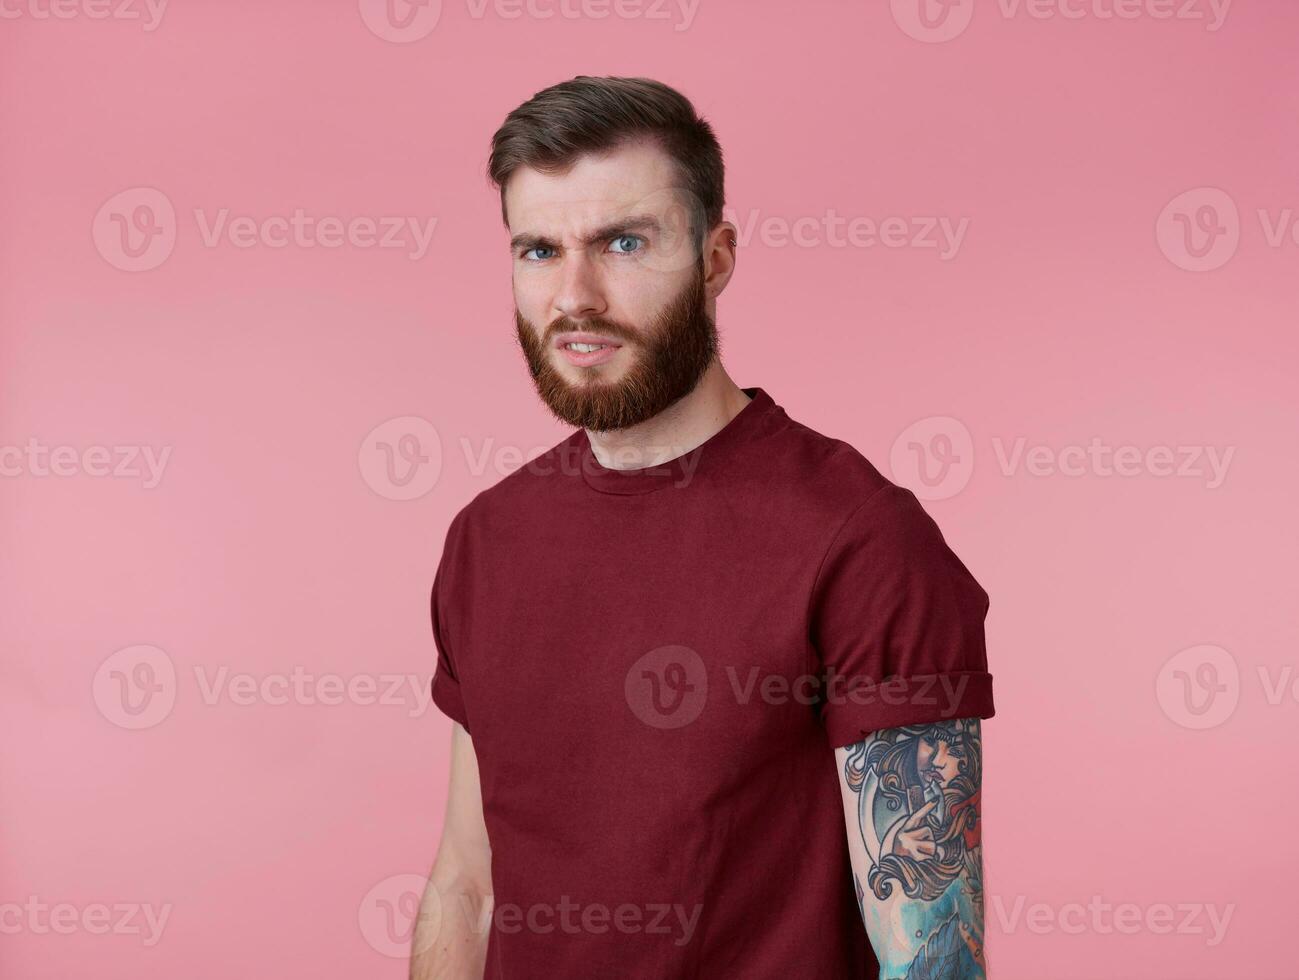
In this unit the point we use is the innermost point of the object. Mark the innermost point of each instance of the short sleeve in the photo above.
(446, 691)
(896, 621)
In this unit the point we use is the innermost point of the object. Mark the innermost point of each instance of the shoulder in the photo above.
(850, 507)
(831, 478)
(514, 496)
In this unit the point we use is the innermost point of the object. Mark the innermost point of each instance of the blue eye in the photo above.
(539, 248)
(636, 240)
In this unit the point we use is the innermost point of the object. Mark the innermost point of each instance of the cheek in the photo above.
(525, 298)
(532, 290)
(639, 317)
(537, 318)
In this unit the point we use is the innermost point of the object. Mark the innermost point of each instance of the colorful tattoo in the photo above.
(918, 813)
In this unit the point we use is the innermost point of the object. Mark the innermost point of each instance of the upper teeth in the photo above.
(586, 348)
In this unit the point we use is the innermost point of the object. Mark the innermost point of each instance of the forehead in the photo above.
(635, 178)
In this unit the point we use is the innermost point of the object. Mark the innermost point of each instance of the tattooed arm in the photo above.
(911, 800)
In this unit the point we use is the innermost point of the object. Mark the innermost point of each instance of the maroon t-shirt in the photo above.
(655, 666)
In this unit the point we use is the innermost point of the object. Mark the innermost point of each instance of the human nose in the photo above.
(579, 294)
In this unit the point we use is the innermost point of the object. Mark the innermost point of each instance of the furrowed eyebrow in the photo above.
(616, 229)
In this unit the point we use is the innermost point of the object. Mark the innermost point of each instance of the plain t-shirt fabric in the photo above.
(655, 666)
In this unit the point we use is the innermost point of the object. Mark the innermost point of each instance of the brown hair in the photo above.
(591, 115)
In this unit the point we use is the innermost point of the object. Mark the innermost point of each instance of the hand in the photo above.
(915, 839)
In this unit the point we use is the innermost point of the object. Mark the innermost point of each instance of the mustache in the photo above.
(606, 328)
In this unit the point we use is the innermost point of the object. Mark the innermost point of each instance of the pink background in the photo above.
(279, 833)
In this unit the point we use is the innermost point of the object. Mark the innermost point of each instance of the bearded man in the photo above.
(649, 775)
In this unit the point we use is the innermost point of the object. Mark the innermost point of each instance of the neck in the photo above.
(679, 428)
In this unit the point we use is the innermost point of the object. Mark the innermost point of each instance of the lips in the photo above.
(586, 349)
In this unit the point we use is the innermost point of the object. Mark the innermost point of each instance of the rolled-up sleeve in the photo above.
(897, 624)
(446, 690)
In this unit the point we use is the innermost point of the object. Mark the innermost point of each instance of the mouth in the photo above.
(586, 349)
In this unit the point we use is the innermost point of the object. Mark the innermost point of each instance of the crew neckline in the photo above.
(681, 470)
